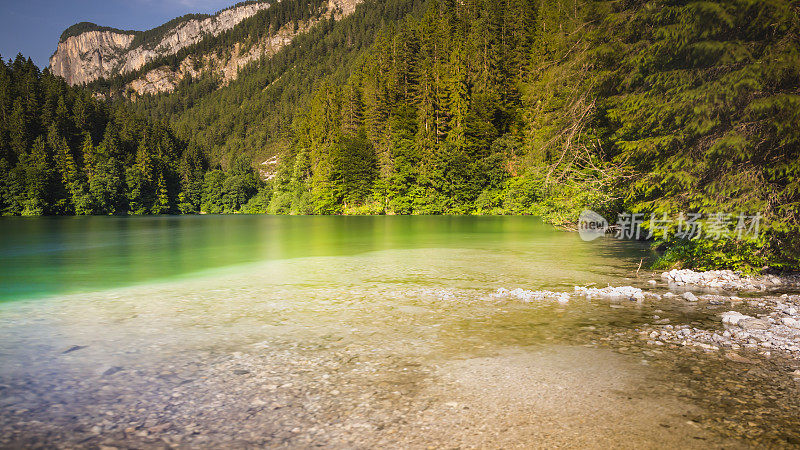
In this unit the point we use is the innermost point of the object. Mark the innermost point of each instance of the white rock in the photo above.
(100, 54)
(752, 323)
(611, 292)
(733, 317)
(790, 322)
(530, 296)
(689, 297)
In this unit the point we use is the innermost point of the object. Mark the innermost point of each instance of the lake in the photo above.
(342, 331)
(46, 256)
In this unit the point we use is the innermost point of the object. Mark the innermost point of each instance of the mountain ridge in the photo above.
(475, 107)
(225, 62)
(102, 52)
(85, 27)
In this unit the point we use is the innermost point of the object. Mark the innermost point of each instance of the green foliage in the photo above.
(213, 186)
(743, 256)
(50, 164)
(703, 108)
(230, 192)
(411, 129)
(84, 27)
(253, 114)
(259, 203)
(442, 107)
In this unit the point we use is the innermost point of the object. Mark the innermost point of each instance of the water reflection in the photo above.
(44, 256)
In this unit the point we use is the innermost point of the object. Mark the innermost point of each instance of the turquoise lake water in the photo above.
(305, 323)
(48, 256)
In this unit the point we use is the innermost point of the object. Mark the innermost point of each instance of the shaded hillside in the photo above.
(62, 153)
(252, 114)
(511, 106)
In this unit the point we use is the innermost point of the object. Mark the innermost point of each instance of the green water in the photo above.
(276, 329)
(49, 256)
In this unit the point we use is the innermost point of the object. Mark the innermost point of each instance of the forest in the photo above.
(62, 152)
(451, 107)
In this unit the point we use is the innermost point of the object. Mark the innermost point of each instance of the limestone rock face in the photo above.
(101, 54)
(93, 55)
(227, 62)
(89, 56)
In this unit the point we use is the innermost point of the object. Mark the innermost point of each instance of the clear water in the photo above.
(47, 256)
(355, 332)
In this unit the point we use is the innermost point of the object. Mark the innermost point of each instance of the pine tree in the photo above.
(161, 204)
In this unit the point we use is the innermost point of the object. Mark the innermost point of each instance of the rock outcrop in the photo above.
(89, 56)
(101, 53)
(92, 55)
(227, 62)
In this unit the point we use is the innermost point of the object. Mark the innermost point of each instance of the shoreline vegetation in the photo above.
(438, 107)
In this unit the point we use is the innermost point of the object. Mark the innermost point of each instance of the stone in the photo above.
(733, 317)
(735, 357)
(706, 347)
(534, 296)
(621, 292)
(791, 322)
(160, 428)
(753, 324)
(111, 371)
(688, 296)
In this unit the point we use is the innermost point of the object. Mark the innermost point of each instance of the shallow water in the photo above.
(45, 256)
(345, 331)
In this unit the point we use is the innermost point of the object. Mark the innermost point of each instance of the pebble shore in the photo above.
(435, 367)
(729, 280)
(764, 324)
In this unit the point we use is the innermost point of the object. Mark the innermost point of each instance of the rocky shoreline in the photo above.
(775, 327)
(765, 324)
(729, 280)
(351, 370)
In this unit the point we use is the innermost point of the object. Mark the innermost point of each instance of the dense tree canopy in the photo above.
(450, 107)
(62, 152)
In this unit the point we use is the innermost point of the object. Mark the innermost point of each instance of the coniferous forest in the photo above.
(448, 107)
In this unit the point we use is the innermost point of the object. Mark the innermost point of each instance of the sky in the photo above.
(32, 27)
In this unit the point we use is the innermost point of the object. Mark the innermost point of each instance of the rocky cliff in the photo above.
(96, 54)
(226, 62)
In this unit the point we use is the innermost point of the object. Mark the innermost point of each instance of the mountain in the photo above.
(545, 107)
(88, 52)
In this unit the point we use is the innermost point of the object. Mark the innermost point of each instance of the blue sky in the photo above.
(33, 27)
